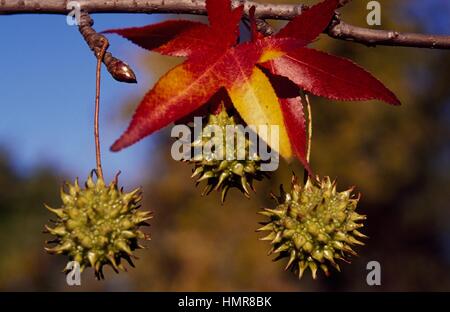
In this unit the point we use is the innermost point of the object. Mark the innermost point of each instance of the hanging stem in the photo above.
(100, 56)
(310, 131)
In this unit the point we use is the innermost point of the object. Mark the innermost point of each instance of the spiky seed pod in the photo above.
(215, 167)
(313, 226)
(98, 225)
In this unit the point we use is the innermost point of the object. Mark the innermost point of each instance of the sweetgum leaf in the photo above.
(329, 76)
(191, 84)
(262, 77)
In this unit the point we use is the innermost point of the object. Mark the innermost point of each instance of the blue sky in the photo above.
(47, 95)
(47, 91)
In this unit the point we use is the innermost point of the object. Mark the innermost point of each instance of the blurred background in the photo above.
(398, 157)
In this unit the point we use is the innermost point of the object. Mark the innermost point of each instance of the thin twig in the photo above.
(100, 56)
(310, 127)
(310, 133)
(339, 30)
(120, 70)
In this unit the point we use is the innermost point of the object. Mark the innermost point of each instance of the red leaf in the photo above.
(329, 76)
(187, 87)
(294, 120)
(216, 63)
(310, 23)
(224, 21)
(175, 38)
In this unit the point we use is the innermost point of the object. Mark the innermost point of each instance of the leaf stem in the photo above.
(310, 127)
(100, 56)
(310, 132)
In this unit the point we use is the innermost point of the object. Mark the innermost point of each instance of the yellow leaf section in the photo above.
(270, 54)
(257, 103)
(275, 48)
(174, 83)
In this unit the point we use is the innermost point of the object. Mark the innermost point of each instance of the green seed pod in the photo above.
(223, 166)
(313, 226)
(98, 225)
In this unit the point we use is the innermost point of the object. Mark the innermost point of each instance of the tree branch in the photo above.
(373, 37)
(338, 30)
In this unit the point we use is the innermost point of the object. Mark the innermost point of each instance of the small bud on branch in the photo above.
(117, 68)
